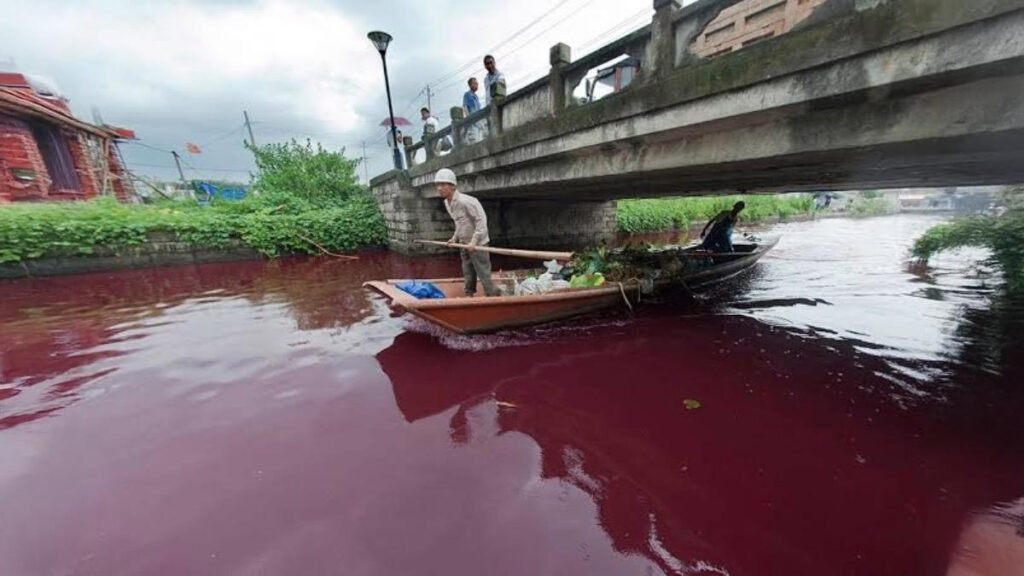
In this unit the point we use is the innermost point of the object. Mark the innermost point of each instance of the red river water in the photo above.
(836, 410)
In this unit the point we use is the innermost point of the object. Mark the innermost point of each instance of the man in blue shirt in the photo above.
(470, 101)
(720, 237)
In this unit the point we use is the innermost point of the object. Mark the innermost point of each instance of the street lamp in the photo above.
(380, 42)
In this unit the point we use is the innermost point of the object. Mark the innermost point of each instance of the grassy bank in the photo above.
(333, 211)
(76, 229)
(661, 214)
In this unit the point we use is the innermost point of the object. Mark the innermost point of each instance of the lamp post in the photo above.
(380, 41)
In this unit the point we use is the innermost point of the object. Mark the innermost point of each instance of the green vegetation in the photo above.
(870, 205)
(661, 214)
(1003, 235)
(288, 214)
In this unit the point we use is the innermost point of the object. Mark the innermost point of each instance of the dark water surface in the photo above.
(274, 418)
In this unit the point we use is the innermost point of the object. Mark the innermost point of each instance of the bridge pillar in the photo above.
(550, 224)
(458, 116)
(560, 57)
(411, 214)
(662, 38)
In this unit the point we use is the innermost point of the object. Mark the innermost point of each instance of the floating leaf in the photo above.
(691, 404)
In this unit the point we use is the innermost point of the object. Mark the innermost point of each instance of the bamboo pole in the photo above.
(326, 251)
(535, 254)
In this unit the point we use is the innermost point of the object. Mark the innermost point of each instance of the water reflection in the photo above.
(854, 410)
(60, 334)
(786, 426)
(992, 543)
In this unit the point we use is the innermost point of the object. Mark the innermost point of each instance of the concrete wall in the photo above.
(162, 249)
(526, 108)
(412, 215)
(545, 224)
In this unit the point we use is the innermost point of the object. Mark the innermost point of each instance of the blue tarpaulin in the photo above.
(421, 290)
(206, 191)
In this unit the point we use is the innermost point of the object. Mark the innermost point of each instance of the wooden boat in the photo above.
(479, 314)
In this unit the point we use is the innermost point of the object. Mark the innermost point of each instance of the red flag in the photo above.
(192, 148)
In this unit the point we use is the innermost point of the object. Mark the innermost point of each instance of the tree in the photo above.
(315, 175)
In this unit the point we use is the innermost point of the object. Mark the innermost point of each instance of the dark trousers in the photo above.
(718, 243)
(477, 265)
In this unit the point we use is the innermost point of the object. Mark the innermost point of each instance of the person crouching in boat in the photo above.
(720, 237)
(470, 230)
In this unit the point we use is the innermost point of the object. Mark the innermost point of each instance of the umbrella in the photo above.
(399, 121)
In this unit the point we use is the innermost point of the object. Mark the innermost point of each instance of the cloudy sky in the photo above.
(180, 71)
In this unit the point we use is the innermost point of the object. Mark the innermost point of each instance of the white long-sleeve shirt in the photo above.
(470, 220)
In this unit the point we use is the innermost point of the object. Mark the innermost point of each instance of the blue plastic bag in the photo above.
(421, 290)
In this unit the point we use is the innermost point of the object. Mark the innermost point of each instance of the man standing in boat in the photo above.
(720, 237)
(470, 230)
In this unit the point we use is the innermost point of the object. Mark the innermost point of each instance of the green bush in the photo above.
(865, 207)
(1003, 235)
(330, 208)
(663, 214)
(291, 172)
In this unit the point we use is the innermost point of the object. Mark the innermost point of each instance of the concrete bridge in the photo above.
(736, 95)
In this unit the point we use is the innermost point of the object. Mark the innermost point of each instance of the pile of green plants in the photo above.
(307, 200)
(663, 214)
(635, 261)
(1002, 234)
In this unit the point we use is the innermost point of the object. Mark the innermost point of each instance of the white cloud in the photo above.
(183, 70)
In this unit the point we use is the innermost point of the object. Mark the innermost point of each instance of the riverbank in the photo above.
(668, 214)
(103, 234)
(166, 248)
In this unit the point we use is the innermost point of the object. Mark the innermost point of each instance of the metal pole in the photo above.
(366, 169)
(428, 100)
(252, 141)
(177, 162)
(391, 115)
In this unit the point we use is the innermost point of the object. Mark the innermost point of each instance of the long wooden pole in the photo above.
(536, 254)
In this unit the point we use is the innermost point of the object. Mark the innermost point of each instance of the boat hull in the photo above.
(478, 314)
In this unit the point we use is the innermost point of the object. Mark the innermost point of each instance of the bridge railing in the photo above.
(433, 144)
(655, 50)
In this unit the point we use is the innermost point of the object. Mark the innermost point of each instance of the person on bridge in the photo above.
(720, 237)
(470, 230)
(494, 76)
(470, 101)
(430, 123)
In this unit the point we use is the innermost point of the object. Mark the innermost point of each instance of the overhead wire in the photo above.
(514, 35)
(502, 55)
(630, 22)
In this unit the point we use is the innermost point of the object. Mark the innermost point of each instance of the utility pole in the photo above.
(248, 125)
(428, 100)
(366, 170)
(177, 162)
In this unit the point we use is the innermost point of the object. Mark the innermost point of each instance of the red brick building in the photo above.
(749, 22)
(48, 154)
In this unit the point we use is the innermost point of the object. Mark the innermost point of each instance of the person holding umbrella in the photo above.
(399, 121)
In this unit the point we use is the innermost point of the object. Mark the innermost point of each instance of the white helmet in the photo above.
(444, 176)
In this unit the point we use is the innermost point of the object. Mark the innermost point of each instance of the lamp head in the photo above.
(380, 40)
